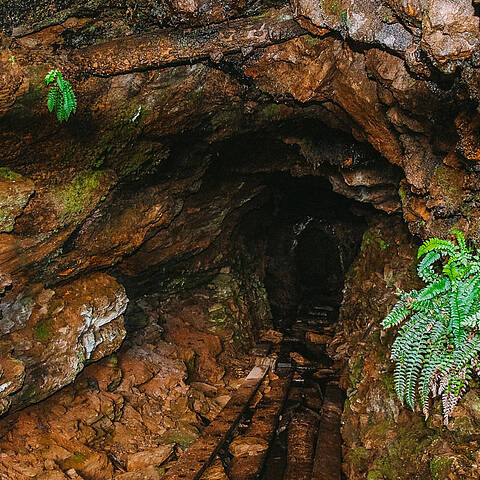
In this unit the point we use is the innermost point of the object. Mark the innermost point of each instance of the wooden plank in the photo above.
(302, 433)
(194, 461)
(262, 429)
(328, 455)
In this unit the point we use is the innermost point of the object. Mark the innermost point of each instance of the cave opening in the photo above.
(283, 243)
(241, 251)
(314, 238)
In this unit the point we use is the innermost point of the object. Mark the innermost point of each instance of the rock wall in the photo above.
(48, 336)
(383, 439)
(136, 409)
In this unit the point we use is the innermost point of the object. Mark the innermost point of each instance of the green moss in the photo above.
(185, 282)
(112, 360)
(388, 382)
(273, 112)
(30, 394)
(181, 436)
(262, 16)
(450, 182)
(411, 444)
(344, 18)
(440, 467)
(331, 6)
(358, 457)
(75, 461)
(356, 372)
(42, 329)
(119, 148)
(403, 194)
(380, 429)
(73, 198)
(9, 174)
(310, 41)
(371, 238)
(77, 456)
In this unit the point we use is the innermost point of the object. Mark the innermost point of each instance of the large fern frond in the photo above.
(425, 268)
(437, 347)
(399, 313)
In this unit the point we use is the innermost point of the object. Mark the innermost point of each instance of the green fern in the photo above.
(61, 97)
(438, 344)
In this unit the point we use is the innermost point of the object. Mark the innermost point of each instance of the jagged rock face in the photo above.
(133, 410)
(49, 335)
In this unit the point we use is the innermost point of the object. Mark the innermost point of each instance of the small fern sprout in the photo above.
(438, 343)
(61, 97)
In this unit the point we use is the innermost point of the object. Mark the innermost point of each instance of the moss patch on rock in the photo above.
(78, 196)
(9, 174)
(440, 467)
(373, 239)
(42, 330)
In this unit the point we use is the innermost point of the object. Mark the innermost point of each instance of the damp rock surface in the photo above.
(56, 332)
(211, 140)
(379, 433)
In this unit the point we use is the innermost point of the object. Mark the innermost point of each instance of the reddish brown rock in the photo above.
(11, 80)
(367, 21)
(154, 457)
(325, 69)
(108, 421)
(143, 177)
(55, 332)
(15, 191)
(379, 433)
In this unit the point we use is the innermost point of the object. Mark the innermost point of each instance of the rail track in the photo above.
(283, 422)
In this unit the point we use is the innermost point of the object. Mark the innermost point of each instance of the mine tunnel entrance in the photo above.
(314, 238)
(234, 295)
(280, 256)
(305, 238)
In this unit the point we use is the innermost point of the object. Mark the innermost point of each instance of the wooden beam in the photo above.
(328, 454)
(194, 461)
(263, 425)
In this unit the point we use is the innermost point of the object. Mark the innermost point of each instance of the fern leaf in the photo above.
(445, 247)
(438, 346)
(51, 75)
(434, 289)
(399, 313)
(61, 97)
(425, 268)
(472, 321)
(460, 239)
(52, 98)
